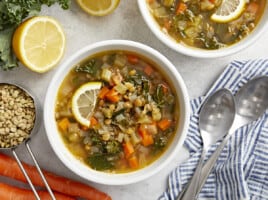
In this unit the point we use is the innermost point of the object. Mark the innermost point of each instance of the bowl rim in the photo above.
(197, 52)
(55, 140)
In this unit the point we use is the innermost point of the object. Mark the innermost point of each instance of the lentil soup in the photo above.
(135, 117)
(190, 22)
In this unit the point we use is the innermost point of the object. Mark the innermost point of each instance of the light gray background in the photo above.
(125, 23)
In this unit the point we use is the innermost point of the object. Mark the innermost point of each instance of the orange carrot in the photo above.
(132, 59)
(10, 168)
(128, 149)
(133, 162)
(147, 138)
(104, 90)
(148, 70)
(112, 96)
(93, 121)
(8, 192)
(64, 124)
(253, 7)
(164, 124)
(167, 24)
(181, 8)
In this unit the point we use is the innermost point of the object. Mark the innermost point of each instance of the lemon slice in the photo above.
(229, 10)
(84, 101)
(39, 43)
(98, 7)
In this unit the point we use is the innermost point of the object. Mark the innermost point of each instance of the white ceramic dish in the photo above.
(201, 53)
(77, 166)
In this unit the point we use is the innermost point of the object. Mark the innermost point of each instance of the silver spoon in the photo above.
(251, 102)
(216, 118)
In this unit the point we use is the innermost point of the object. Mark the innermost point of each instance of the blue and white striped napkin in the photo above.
(241, 172)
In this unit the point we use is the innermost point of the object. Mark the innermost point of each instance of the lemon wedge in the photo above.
(39, 43)
(98, 7)
(84, 101)
(229, 10)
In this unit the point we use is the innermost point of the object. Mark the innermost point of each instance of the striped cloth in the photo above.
(241, 172)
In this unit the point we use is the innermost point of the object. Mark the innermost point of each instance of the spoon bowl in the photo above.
(216, 118)
(251, 102)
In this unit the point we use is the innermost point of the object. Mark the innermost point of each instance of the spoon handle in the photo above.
(210, 164)
(191, 188)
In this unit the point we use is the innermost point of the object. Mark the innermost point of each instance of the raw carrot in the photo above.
(128, 149)
(132, 59)
(8, 192)
(181, 8)
(10, 168)
(148, 70)
(64, 124)
(112, 96)
(164, 124)
(133, 162)
(104, 90)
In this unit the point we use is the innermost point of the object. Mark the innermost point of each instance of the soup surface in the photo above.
(190, 21)
(134, 118)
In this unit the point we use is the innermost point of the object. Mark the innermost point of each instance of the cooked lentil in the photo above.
(17, 115)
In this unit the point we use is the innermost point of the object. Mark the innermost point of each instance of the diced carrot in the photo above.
(164, 124)
(128, 149)
(112, 96)
(148, 70)
(165, 88)
(64, 124)
(93, 121)
(132, 59)
(253, 7)
(181, 8)
(150, 1)
(133, 162)
(104, 90)
(167, 24)
(84, 128)
(147, 138)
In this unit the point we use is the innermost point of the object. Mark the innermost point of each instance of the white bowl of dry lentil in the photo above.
(194, 33)
(117, 149)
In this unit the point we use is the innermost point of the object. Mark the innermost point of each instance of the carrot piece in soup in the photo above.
(104, 90)
(93, 121)
(128, 149)
(132, 59)
(64, 124)
(112, 96)
(147, 138)
(148, 70)
(133, 162)
(253, 8)
(181, 8)
(164, 124)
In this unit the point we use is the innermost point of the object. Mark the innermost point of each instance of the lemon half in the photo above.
(84, 101)
(98, 7)
(39, 43)
(229, 10)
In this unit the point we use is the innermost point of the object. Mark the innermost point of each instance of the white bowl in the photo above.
(197, 52)
(77, 166)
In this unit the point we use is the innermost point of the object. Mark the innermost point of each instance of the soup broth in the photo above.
(135, 117)
(190, 23)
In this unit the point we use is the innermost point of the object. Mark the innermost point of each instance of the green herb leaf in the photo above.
(99, 162)
(90, 67)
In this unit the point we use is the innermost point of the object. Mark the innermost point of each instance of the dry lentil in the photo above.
(17, 115)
